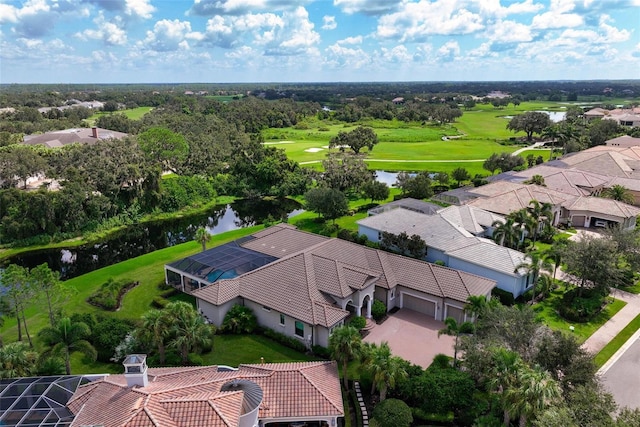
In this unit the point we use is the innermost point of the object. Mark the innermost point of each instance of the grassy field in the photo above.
(547, 312)
(147, 269)
(132, 113)
(415, 146)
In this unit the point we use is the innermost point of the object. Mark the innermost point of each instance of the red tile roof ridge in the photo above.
(286, 366)
(312, 285)
(320, 390)
(201, 396)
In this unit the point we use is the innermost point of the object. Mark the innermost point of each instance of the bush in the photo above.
(440, 263)
(239, 320)
(378, 310)
(506, 298)
(195, 360)
(107, 334)
(285, 340)
(159, 302)
(358, 322)
(392, 413)
(441, 361)
(583, 308)
(322, 352)
(110, 293)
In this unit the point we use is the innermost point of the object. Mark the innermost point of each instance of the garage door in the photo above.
(418, 304)
(578, 220)
(456, 313)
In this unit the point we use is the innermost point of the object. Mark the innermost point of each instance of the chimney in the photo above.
(94, 130)
(135, 370)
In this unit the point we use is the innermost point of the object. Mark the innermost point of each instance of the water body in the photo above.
(140, 239)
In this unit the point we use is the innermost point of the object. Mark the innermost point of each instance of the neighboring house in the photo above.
(623, 141)
(407, 203)
(61, 138)
(454, 246)
(264, 395)
(305, 285)
(476, 221)
(581, 211)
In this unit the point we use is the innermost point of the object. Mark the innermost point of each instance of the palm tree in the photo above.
(452, 328)
(505, 372)
(532, 269)
(535, 392)
(383, 368)
(188, 329)
(619, 193)
(554, 253)
(505, 232)
(17, 360)
(345, 344)
(67, 337)
(537, 180)
(546, 283)
(155, 330)
(475, 305)
(202, 236)
(523, 222)
(540, 212)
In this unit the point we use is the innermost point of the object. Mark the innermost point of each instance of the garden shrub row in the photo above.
(285, 340)
(110, 293)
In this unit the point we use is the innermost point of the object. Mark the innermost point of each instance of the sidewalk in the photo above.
(609, 330)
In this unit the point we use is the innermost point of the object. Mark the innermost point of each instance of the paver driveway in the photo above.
(412, 336)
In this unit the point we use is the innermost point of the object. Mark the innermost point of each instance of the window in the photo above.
(393, 294)
(281, 319)
(265, 308)
(300, 329)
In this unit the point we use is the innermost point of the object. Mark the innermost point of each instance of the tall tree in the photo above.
(505, 372)
(328, 202)
(345, 345)
(155, 329)
(19, 294)
(530, 122)
(460, 175)
(454, 329)
(164, 147)
(592, 263)
(47, 283)
(66, 338)
(535, 392)
(506, 233)
(375, 190)
(202, 236)
(384, 368)
(356, 140)
(541, 217)
(188, 330)
(532, 269)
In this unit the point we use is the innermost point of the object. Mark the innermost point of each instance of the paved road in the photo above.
(622, 376)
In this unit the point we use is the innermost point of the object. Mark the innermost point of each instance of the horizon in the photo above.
(314, 41)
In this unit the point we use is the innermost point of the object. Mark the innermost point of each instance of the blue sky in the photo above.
(147, 41)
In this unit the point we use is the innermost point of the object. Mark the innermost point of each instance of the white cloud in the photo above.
(351, 40)
(8, 13)
(242, 7)
(220, 33)
(482, 51)
(295, 37)
(494, 8)
(611, 33)
(449, 51)
(141, 8)
(508, 32)
(109, 33)
(423, 52)
(329, 22)
(416, 21)
(368, 7)
(170, 35)
(342, 57)
(398, 54)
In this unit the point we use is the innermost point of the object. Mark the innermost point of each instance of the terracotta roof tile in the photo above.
(290, 390)
(219, 292)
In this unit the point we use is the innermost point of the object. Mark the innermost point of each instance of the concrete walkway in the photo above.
(609, 330)
(530, 147)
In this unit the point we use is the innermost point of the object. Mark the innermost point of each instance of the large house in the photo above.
(261, 395)
(454, 236)
(60, 138)
(305, 285)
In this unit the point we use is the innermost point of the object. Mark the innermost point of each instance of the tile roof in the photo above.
(60, 138)
(282, 240)
(601, 205)
(491, 255)
(471, 218)
(517, 196)
(409, 204)
(196, 396)
(609, 162)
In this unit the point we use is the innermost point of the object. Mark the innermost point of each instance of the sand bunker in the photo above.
(313, 150)
(278, 142)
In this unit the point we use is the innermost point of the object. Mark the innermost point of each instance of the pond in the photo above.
(140, 239)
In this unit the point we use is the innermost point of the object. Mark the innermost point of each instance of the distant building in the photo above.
(60, 138)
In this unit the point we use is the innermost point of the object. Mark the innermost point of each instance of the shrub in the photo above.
(358, 322)
(506, 298)
(239, 320)
(320, 351)
(583, 308)
(159, 302)
(440, 263)
(107, 334)
(195, 360)
(110, 293)
(392, 413)
(285, 340)
(378, 310)
(441, 361)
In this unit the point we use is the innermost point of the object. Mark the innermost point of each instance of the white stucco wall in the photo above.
(371, 234)
(215, 314)
(506, 282)
(434, 255)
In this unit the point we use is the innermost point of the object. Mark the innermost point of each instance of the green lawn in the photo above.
(618, 341)
(147, 269)
(233, 350)
(547, 312)
(131, 113)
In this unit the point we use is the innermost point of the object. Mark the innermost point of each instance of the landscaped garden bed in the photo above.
(109, 295)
